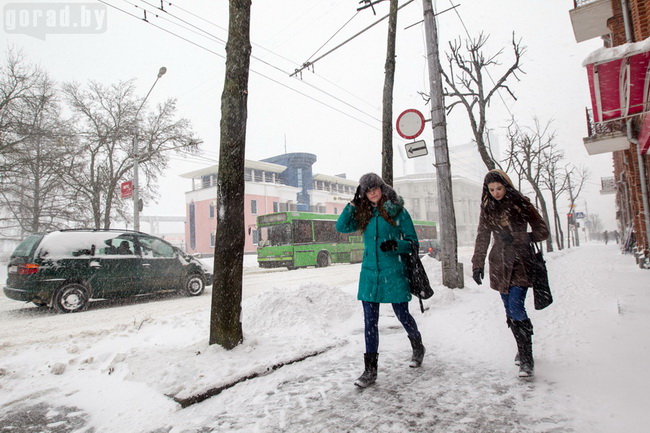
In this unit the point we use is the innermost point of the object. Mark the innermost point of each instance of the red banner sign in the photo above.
(126, 189)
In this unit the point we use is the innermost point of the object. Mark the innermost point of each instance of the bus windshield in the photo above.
(275, 235)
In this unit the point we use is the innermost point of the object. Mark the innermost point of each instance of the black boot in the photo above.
(369, 375)
(509, 323)
(418, 352)
(523, 332)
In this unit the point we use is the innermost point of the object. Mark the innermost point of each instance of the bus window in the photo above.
(302, 232)
(325, 232)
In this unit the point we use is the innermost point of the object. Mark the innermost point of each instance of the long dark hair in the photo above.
(364, 210)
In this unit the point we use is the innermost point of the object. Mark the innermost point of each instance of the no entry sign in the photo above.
(410, 123)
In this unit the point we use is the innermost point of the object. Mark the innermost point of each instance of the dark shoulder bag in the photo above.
(539, 278)
(417, 276)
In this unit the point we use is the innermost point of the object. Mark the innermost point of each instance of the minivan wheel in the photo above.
(70, 298)
(194, 285)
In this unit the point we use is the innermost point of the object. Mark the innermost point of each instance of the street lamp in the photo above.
(136, 194)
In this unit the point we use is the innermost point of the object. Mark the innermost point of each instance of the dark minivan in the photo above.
(64, 269)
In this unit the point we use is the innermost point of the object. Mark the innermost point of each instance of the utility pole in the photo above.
(452, 271)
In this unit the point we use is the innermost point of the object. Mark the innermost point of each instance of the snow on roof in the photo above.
(602, 55)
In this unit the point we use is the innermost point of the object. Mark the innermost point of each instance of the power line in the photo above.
(307, 64)
(256, 72)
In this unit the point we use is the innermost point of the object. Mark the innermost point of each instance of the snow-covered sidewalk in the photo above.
(591, 348)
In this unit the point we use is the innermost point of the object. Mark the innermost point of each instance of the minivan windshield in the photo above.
(27, 246)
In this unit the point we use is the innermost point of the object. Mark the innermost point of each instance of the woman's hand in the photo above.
(478, 276)
(356, 201)
(389, 245)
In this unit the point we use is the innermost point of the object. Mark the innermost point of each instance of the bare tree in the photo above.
(17, 77)
(466, 79)
(225, 315)
(526, 156)
(576, 179)
(553, 176)
(105, 124)
(33, 196)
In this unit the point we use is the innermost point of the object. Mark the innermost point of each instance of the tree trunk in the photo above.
(389, 80)
(225, 316)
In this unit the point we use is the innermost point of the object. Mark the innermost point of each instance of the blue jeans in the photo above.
(515, 303)
(371, 322)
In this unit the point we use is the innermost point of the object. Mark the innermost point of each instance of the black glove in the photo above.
(389, 245)
(356, 201)
(506, 237)
(478, 276)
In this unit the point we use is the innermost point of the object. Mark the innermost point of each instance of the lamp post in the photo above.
(136, 157)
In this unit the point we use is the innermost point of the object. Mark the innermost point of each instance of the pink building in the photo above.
(270, 187)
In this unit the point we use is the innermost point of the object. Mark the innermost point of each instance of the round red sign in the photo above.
(410, 123)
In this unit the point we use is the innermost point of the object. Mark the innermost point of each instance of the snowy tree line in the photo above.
(65, 148)
(533, 152)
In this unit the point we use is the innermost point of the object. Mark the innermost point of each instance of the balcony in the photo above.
(589, 18)
(605, 137)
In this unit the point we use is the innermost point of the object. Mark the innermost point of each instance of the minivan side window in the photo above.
(116, 246)
(156, 248)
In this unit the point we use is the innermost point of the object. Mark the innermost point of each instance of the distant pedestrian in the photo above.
(605, 237)
(378, 212)
(505, 216)
(617, 236)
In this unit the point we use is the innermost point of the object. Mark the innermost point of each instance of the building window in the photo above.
(213, 236)
(254, 207)
(275, 206)
(212, 210)
(256, 237)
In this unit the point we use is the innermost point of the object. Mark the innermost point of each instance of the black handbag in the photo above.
(539, 278)
(417, 277)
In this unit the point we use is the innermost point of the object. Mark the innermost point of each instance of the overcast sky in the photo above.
(334, 111)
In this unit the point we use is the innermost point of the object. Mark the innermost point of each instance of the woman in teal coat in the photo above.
(388, 231)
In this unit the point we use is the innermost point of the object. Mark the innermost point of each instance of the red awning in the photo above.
(619, 81)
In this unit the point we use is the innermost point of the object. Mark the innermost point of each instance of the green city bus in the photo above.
(300, 239)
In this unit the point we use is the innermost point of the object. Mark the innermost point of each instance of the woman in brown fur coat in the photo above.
(505, 216)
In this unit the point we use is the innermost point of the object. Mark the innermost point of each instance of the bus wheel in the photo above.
(323, 260)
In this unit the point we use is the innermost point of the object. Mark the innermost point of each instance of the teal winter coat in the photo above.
(383, 279)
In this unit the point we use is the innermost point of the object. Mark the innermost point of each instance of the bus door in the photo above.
(304, 253)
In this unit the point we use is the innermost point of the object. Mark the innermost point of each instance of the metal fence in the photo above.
(595, 129)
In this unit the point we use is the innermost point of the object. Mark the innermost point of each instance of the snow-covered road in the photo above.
(113, 368)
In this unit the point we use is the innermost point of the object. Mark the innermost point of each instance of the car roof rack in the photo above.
(101, 230)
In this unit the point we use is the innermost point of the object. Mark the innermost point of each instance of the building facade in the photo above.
(420, 193)
(287, 183)
(278, 184)
(617, 122)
